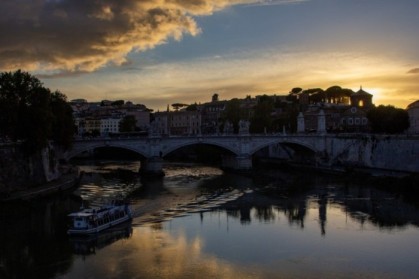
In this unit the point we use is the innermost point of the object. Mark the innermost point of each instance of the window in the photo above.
(364, 121)
(350, 121)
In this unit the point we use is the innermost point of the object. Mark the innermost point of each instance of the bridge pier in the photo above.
(239, 163)
(152, 167)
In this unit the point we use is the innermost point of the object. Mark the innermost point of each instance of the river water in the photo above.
(198, 222)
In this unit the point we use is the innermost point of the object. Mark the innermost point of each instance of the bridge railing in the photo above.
(221, 135)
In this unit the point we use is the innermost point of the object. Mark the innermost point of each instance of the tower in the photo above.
(361, 98)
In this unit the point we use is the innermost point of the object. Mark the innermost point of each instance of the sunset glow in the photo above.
(161, 52)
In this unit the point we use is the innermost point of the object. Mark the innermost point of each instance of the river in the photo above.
(199, 222)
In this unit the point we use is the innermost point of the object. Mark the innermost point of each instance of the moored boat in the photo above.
(93, 220)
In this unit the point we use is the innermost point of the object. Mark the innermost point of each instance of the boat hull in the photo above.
(99, 228)
(97, 219)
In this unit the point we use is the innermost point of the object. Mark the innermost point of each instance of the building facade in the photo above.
(413, 111)
(177, 123)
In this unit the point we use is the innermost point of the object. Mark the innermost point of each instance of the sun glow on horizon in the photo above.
(251, 72)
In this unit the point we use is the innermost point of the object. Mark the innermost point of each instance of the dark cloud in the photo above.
(84, 35)
(413, 71)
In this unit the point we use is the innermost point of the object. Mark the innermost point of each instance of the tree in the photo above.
(388, 119)
(337, 94)
(316, 95)
(178, 106)
(118, 103)
(63, 127)
(262, 119)
(127, 124)
(233, 113)
(296, 90)
(29, 112)
(193, 107)
(15, 89)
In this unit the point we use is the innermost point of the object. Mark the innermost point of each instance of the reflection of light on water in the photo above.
(97, 189)
(187, 176)
(191, 170)
(326, 234)
(151, 253)
(107, 166)
(97, 194)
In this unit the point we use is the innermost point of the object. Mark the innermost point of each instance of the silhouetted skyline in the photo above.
(183, 51)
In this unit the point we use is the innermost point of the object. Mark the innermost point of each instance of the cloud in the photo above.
(82, 36)
(275, 2)
(413, 71)
(245, 72)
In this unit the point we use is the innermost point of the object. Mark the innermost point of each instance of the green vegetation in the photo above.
(127, 124)
(234, 113)
(262, 118)
(193, 107)
(118, 103)
(388, 119)
(177, 106)
(33, 114)
(271, 114)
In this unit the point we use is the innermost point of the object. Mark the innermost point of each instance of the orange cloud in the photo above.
(80, 35)
(413, 71)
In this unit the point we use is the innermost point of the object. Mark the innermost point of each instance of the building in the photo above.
(332, 113)
(178, 123)
(413, 111)
(102, 118)
(211, 115)
(185, 122)
(355, 119)
(142, 117)
(361, 98)
(109, 125)
(92, 125)
(340, 114)
(160, 125)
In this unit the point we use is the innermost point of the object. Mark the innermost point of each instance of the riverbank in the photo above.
(65, 182)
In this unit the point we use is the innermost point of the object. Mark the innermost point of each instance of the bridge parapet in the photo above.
(361, 149)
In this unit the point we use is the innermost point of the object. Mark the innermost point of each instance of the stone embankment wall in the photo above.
(372, 153)
(18, 171)
(394, 153)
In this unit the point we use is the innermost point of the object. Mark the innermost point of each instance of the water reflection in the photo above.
(104, 181)
(88, 245)
(32, 239)
(363, 204)
(277, 249)
(200, 222)
(152, 253)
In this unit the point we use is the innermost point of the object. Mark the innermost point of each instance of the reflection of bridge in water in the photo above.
(365, 205)
(397, 153)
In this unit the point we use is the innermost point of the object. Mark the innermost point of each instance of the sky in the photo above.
(160, 52)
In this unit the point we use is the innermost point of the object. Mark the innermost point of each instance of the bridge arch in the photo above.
(287, 142)
(89, 147)
(173, 148)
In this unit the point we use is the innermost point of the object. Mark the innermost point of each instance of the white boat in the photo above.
(93, 220)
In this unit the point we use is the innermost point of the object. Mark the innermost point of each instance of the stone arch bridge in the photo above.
(393, 153)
